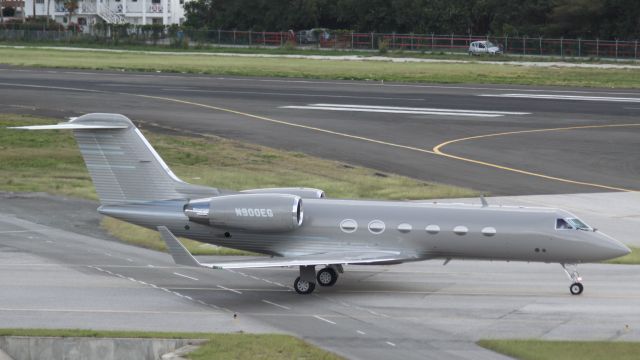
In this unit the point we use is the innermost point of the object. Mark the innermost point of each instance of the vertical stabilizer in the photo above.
(123, 165)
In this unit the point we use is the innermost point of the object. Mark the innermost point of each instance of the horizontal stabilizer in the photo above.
(71, 126)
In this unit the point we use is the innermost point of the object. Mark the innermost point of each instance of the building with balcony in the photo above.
(90, 12)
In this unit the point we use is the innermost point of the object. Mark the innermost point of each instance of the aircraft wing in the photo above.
(182, 257)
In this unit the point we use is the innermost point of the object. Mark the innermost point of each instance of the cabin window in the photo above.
(376, 227)
(489, 231)
(460, 230)
(404, 228)
(348, 225)
(433, 229)
(562, 224)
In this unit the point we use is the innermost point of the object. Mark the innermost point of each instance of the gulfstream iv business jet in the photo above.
(300, 227)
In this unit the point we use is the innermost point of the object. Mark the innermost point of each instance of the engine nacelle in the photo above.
(252, 212)
(305, 193)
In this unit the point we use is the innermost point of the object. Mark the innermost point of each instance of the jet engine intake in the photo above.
(251, 212)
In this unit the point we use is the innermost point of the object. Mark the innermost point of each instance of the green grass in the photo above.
(49, 161)
(218, 346)
(311, 50)
(631, 259)
(566, 350)
(476, 72)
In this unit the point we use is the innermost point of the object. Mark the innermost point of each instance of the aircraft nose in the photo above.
(613, 247)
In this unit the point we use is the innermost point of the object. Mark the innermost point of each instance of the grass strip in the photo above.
(630, 259)
(310, 50)
(566, 350)
(218, 346)
(476, 72)
(49, 161)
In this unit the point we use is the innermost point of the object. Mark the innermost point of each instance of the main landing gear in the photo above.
(576, 287)
(306, 282)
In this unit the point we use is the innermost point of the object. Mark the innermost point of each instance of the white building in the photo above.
(90, 12)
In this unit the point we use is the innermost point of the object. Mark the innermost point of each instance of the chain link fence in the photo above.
(326, 39)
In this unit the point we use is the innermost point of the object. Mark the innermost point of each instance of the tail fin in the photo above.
(123, 165)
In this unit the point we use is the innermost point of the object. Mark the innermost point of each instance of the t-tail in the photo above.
(123, 165)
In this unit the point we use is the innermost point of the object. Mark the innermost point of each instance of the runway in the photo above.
(501, 140)
(53, 276)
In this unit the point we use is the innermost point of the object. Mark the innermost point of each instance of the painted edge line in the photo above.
(323, 319)
(185, 276)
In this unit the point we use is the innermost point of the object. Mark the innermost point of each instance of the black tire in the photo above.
(327, 277)
(576, 289)
(303, 287)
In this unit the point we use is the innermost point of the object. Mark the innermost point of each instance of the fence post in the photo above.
(616, 49)
(432, 42)
(597, 47)
(281, 39)
(249, 37)
(579, 48)
(451, 46)
(352, 40)
(264, 39)
(506, 43)
(393, 40)
(635, 51)
(218, 36)
(411, 41)
(372, 41)
(561, 48)
(524, 46)
(540, 44)
(234, 36)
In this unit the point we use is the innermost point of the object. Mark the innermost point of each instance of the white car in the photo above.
(483, 47)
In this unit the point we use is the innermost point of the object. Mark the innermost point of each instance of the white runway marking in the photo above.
(323, 319)
(226, 288)
(290, 94)
(185, 276)
(361, 332)
(274, 304)
(404, 110)
(16, 231)
(390, 343)
(566, 97)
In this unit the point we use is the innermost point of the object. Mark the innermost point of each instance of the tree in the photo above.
(71, 6)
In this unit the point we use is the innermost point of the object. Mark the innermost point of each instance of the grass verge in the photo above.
(475, 72)
(219, 346)
(310, 50)
(630, 259)
(566, 350)
(49, 161)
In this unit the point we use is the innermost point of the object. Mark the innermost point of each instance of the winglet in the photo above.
(180, 254)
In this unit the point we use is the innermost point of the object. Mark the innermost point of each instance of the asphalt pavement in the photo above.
(542, 140)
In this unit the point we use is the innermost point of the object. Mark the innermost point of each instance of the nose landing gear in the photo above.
(576, 287)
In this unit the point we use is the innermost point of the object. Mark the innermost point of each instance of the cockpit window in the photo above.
(562, 224)
(578, 224)
(571, 224)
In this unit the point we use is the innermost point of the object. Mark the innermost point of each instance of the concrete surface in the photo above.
(57, 278)
(72, 348)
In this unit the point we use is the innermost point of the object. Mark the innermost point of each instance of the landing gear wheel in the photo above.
(303, 287)
(576, 288)
(327, 277)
